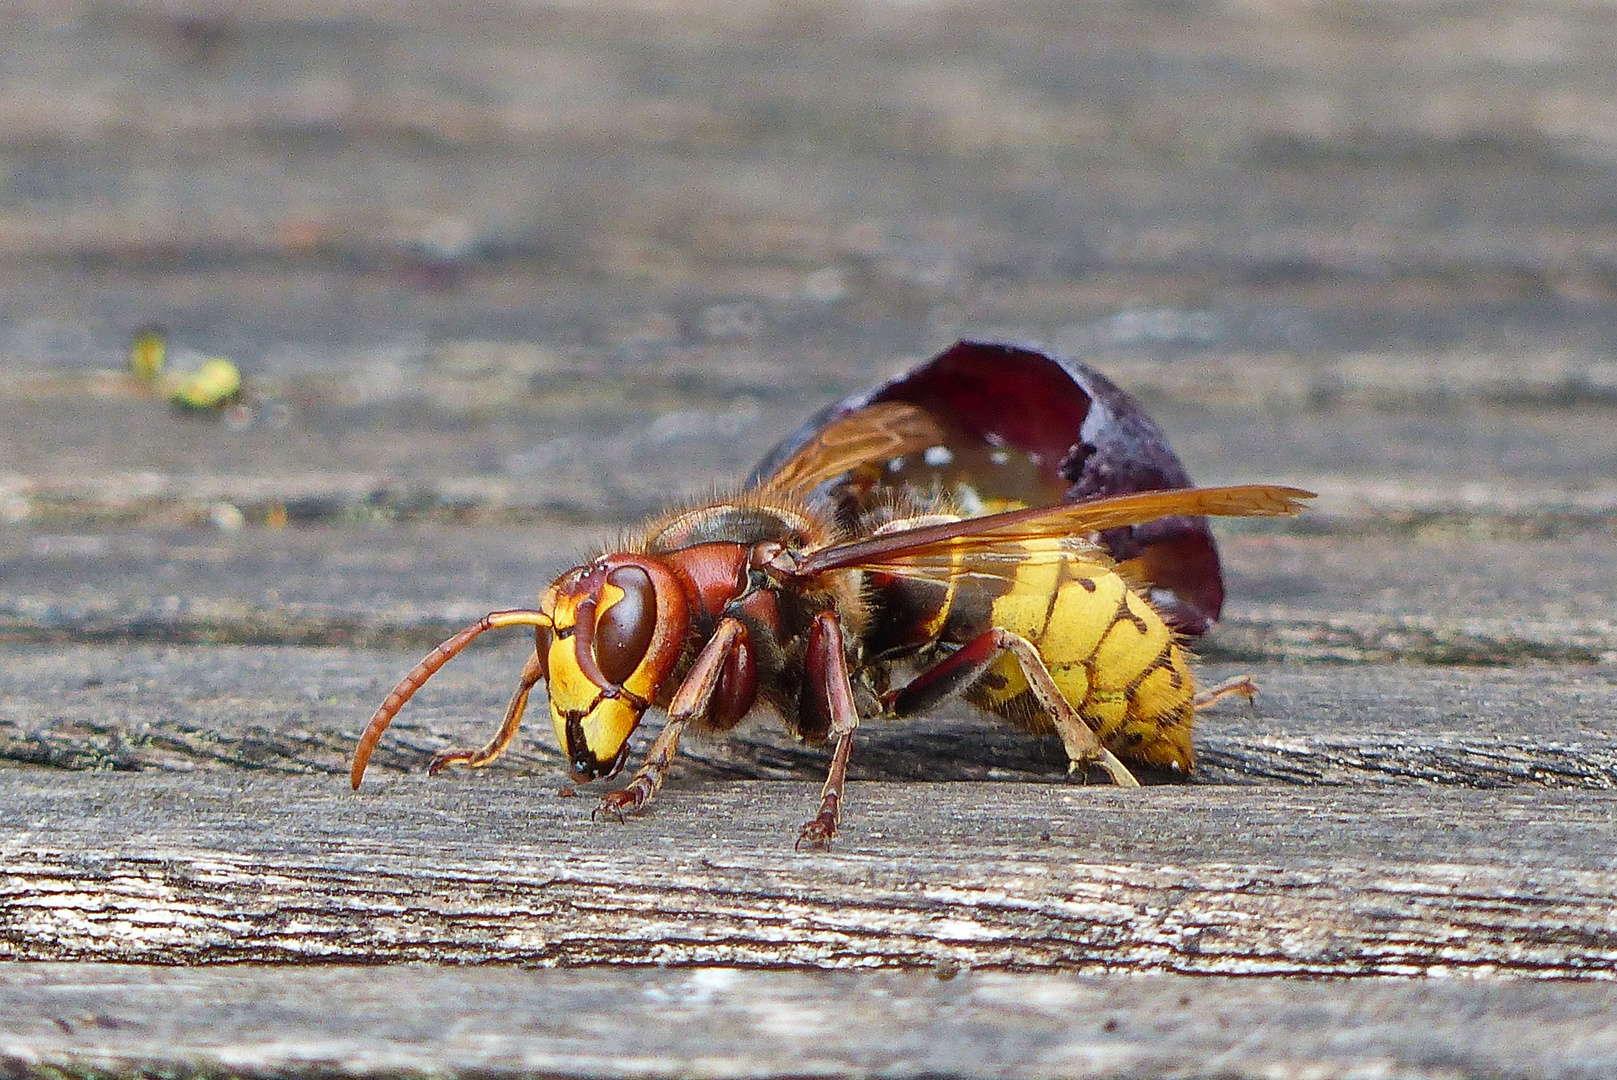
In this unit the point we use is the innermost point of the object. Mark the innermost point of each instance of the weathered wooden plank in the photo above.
(180, 708)
(96, 1019)
(1024, 877)
(144, 707)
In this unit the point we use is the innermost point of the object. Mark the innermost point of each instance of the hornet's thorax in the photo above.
(626, 628)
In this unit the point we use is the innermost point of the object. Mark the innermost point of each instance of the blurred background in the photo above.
(555, 263)
(466, 210)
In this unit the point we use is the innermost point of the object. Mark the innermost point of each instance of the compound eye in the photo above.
(623, 631)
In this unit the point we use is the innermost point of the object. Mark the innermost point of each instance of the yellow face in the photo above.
(603, 665)
(593, 729)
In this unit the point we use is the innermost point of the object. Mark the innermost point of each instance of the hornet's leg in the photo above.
(956, 673)
(692, 700)
(532, 673)
(830, 695)
(446, 651)
(1240, 685)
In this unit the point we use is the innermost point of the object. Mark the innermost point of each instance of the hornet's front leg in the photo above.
(973, 660)
(692, 701)
(532, 672)
(829, 693)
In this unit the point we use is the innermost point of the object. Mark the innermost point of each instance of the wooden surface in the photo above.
(1245, 881)
(502, 282)
(97, 1019)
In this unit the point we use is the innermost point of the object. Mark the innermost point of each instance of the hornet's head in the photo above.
(618, 628)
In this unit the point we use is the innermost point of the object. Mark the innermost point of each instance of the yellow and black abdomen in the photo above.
(1109, 652)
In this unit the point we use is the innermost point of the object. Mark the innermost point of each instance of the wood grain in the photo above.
(1019, 877)
(97, 1019)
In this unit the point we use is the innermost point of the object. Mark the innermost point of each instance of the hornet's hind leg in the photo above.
(960, 670)
(1239, 686)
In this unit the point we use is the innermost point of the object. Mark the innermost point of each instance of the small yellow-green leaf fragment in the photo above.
(213, 385)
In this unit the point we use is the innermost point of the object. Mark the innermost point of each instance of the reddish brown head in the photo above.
(619, 628)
